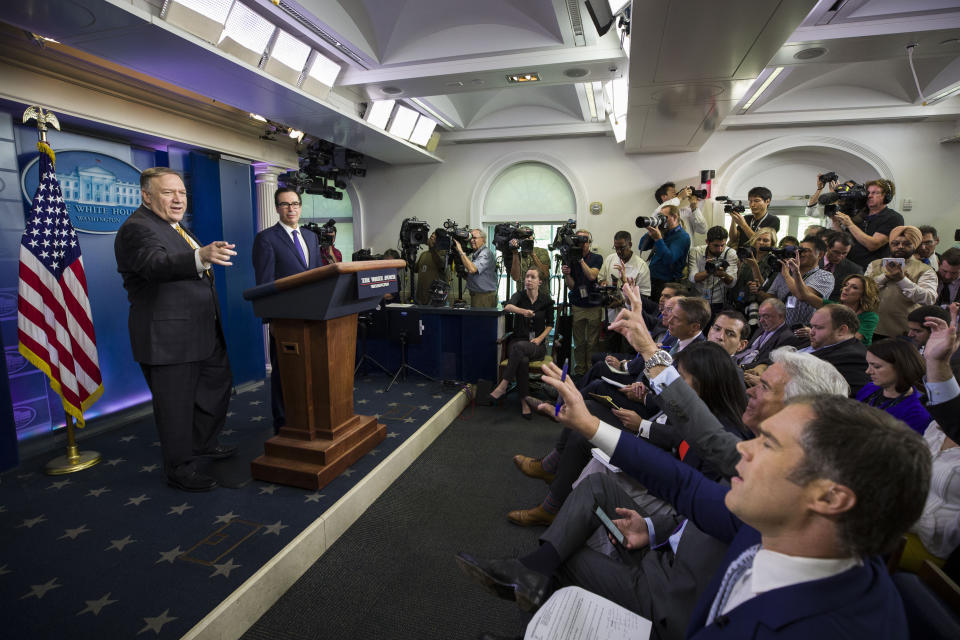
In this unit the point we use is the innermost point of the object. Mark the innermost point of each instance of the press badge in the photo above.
(583, 293)
(791, 302)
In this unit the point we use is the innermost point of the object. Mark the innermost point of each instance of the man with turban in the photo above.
(902, 287)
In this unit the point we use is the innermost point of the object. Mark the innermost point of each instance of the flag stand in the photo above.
(74, 460)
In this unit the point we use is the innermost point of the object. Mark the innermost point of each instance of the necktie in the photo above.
(829, 267)
(296, 243)
(193, 245)
(733, 574)
(925, 260)
(944, 297)
(673, 349)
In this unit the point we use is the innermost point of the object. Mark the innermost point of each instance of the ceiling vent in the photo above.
(810, 54)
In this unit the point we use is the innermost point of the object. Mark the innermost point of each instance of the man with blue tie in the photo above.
(283, 250)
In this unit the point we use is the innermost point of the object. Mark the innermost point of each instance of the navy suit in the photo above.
(275, 257)
(859, 603)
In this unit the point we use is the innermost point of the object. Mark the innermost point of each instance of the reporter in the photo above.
(857, 292)
(896, 371)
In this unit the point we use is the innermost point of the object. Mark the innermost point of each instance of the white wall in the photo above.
(923, 169)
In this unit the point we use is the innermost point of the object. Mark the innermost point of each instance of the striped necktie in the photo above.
(733, 574)
(193, 245)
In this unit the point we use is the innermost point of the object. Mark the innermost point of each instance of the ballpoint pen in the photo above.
(563, 377)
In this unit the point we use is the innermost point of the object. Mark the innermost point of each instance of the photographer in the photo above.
(481, 269)
(802, 269)
(431, 265)
(625, 264)
(329, 253)
(871, 230)
(744, 227)
(581, 279)
(688, 202)
(523, 260)
(754, 268)
(713, 268)
(670, 247)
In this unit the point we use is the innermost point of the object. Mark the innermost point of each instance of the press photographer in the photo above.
(688, 200)
(580, 270)
(431, 266)
(744, 226)
(327, 235)
(753, 273)
(481, 268)
(871, 233)
(669, 244)
(713, 268)
(799, 267)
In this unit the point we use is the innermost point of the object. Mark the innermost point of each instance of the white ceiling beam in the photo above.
(516, 133)
(948, 109)
(880, 27)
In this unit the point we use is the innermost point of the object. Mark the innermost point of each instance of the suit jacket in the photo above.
(174, 311)
(840, 272)
(947, 415)
(275, 256)
(782, 337)
(861, 602)
(635, 366)
(850, 359)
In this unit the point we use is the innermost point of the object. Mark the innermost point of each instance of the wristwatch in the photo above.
(659, 359)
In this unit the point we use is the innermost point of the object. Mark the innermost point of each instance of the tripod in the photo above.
(363, 326)
(403, 364)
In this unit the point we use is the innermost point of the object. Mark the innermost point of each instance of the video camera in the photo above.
(731, 206)
(746, 253)
(828, 177)
(782, 253)
(848, 199)
(326, 232)
(567, 243)
(504, 232)
(449, 232)
(711, 266)
(700, 194)
(413, 233)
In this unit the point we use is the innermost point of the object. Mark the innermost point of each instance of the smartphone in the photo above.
(898, 261)
(797, 325)
(609, 526)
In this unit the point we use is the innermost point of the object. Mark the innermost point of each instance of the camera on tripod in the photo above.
(711, 266)
(326, 232)
(566, 240)
(846, 198)
(413, 233)
(779, 254)
(731, 206)
(504, 232)
(449, 232)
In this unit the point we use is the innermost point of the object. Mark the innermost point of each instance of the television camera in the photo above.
(449, 232)
(504, 232)
(567, 244)
(731, 206)
(326, 232)
(846, 198)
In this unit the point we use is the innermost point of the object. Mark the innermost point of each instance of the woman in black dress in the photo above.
(531, 326)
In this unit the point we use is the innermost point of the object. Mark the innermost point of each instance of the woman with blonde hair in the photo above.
(858, 293)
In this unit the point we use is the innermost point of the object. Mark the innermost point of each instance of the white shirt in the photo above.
(298, 240)
(201, 265)
(635, 268)
(692, 219)
(713, 289)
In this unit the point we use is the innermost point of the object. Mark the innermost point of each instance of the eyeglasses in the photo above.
(289, 205)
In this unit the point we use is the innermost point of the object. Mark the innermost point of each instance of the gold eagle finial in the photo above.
(43, 119)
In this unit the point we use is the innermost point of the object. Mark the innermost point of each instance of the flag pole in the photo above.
(74, 460)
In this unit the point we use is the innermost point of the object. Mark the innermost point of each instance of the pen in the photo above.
(563, 377)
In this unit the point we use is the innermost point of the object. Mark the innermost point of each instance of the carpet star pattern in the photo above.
(29, 524)
(149, 468)
(314, 497)
(115, 462)
(170, 556)
(96, 606)
(128, 438)
(274, 528)
(120, 544)
(224, 569)
(59, 485)
(179, 509)
(156, 623)
(140, 499)
(73, 533)
(269, 489)
(226, 518)
(96, 493)
(39, 590)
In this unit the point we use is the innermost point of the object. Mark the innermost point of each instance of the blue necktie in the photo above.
(925, 260)
(296, 243)
(733, 574)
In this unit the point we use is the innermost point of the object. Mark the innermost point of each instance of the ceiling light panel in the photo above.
(289, 51)
(378, 113)
(422, 131)
(403, 122)
(247, 29)
(324, 70)
(763, 87)
(202, 18)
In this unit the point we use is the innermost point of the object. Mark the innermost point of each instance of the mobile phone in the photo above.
(797, 325)
(898, 261)
(609, 526)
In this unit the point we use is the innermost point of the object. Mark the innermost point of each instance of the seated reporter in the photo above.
(896, 373)
(859, 294)
(532, 324)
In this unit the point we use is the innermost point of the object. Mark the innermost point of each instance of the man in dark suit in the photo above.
(942, 387)
(771, 333)
(833, 339)
(836, 262)
(175, 327)
(279, 251)
(805, 520)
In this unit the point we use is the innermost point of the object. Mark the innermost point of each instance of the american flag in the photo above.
(54, 324)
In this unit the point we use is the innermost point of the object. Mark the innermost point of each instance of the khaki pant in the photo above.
(483, 299)
(586, 330)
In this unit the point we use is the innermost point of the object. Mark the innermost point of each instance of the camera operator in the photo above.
(755, 269)
(329, 253)
(871, 231)
(481, 267)
(670, 247)
(713, 268)
(581, 279)
(796, 271)
(744, 227)
(431, 265)
(522, 261)
(836, 262)
(688, 202)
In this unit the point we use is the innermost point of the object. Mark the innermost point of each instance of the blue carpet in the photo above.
(112, 551)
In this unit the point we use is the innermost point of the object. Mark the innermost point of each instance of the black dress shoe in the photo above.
(187, 478)
(219, 452)
(507, 578)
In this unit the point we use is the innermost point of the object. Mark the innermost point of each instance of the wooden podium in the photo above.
(313, 316)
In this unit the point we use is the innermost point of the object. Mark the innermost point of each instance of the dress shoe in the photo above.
(507, 578)
(537, 516)
(532, 468)
(534, 404)
(526, 416)
(219, 452)
(187, 478)
(491, 400)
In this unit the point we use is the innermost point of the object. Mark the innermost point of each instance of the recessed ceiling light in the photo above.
(455, 83)
(810, 54)
(576, 72)
(520, 78)
(391, 91)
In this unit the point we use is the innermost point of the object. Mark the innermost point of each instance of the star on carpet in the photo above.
(137, 501)
(179, 509)
(424, 407)
(315, 496)
(94, 606)
(408, 393)
(421, 384)
(115, 462)
(392, 404)
(392, 434)
(361, 401)
(73, 533)
(225, 568)
(226, 518)
(374, 452)
(96, 493)
(149, 468)
(155, 624)
(59, 485)
(128, 438)
(348, 472)
(3, 570)
(256, 418)
(409, 420)
(256, 402)
(379, 391)
(40, 590)
(230, 414)
(437, 396)
(170, 556)
(120, 544)
(274, 528)
(32, 521)
(270, 488)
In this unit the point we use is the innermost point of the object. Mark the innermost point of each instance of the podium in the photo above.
(313, 316)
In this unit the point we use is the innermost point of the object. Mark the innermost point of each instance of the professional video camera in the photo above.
(782, 253)
(828, 177)
(848, 199)
(606, 295)
(711, 266)
(439, 292)
(365, 254)
(413, 233)
(656, 220)
(731, 206)
(452, 231)
(326, 232)
(746, 253)
(567, 243)
(698, 193)
(504, 232)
